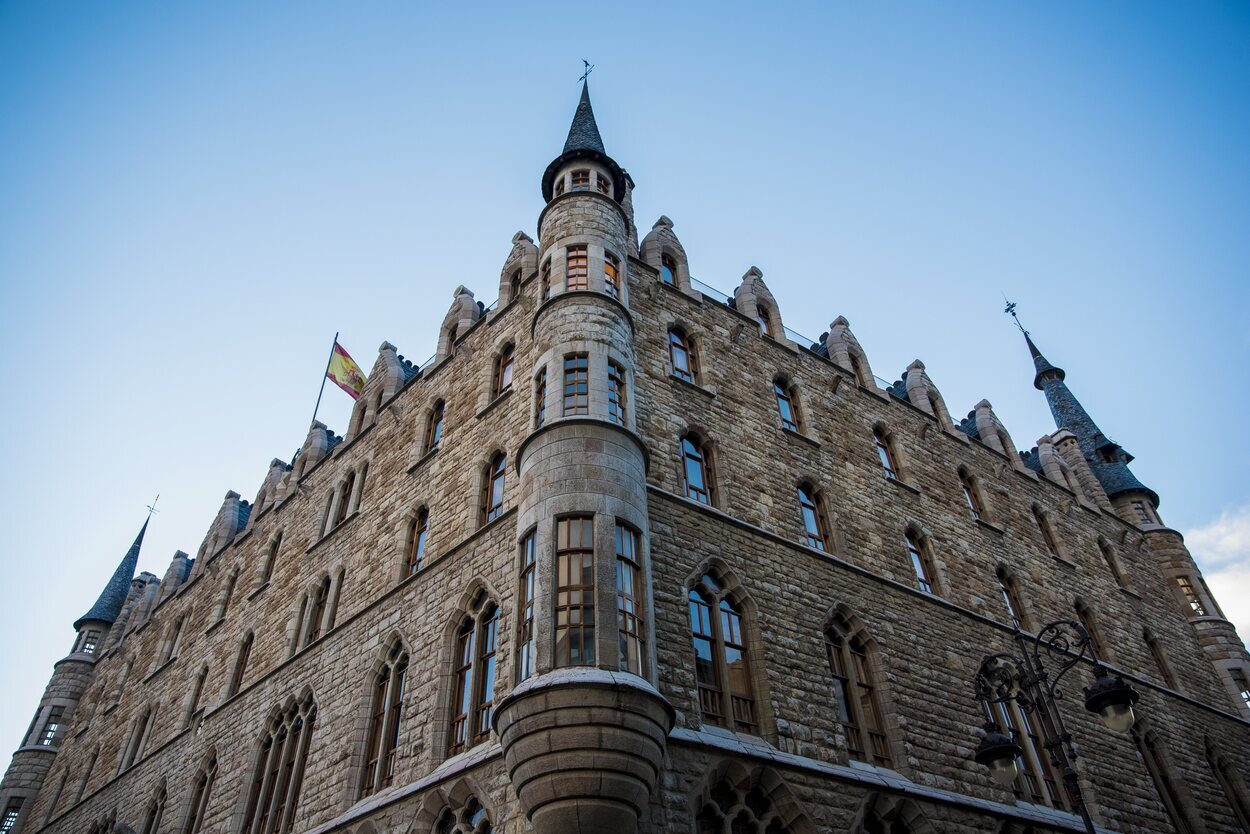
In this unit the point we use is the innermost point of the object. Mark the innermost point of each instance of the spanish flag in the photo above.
(344, 372)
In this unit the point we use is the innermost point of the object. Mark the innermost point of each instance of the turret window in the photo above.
(382, 751)
(1241, 682)
(631, 622)
(616, 393)
(786, 405)
(918, 553)
(11, 812)
(611, 270)
(1196, 608)
(492, 488)
(721, 664)
(577, 265)
(681, 356)
(540, 399)
(604, 184)
(575, 592)
(418, 532)
(668, 270)
(581, 180)
(696, 471)
(90, 639)
(546, 279)
(856, 695)
(526, 660)
(51, 725)
(814, 524)
(559, 186)
(1139, 507)
(576, 384)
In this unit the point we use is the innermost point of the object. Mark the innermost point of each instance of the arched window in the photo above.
(1113, 563)
(766, 323)
(472, 819)
(317, 613)
(540, 399)
(787, 405)
(344, 499)
(1048, 533)
(514, 286)
(611, 275)
(1036, 780)
(577, 268)
(240, 663)
(199, 797)
(1011, 597)
(271, 558)
(885, 452)
(152, 819)
(492, 488)
(616, 393)
(193, 698)
(1148, 747)
(525, 610)
(434, 427)
(1160, 659)
(858, 705)
(921, 562)
(575, 592)
(630, 617)
(681, 356)
(382, 749)
(274, 796)
(503, 370)
(414, 551)
(972, 494)
(473, 693)
(742, 808)
(139, 737)
(1231, 785)
(696, 468)
(576, 384)
(227, 594)
(1086, 618)
(721, 663)
(174, 639)
(668, 270)
(815, 528)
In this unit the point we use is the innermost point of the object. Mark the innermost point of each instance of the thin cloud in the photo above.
(1223, 548)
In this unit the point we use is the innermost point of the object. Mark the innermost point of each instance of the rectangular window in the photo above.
(11, 812)
(1142, 515)
(48, 735)
(741, 700)
(575, 592)
(89, 641)
(488, 635)
(707, 674)
(463, 691)
(540, 399)
(611, 270)
(631, 624)
(581, 180)
(525, 635)
(1196, 608)
(576, 384)
(577, 269)
(616, 393)
(605, 184)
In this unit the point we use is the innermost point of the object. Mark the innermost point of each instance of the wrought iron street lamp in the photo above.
(1024, 679)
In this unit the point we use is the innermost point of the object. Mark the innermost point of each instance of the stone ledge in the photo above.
(903, 485)
(419, 462)
(355, 514)
(490, 406)
(989, 525)
(791, 433)
(707, 392)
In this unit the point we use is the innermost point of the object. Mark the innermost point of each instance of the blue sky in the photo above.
(194, 197)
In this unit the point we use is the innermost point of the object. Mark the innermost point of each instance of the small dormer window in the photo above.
(604, 184)
(668, 270)
(581, 180)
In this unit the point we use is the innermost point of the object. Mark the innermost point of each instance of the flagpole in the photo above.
(324, 374)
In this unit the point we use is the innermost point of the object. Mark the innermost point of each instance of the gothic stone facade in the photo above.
(302, 674)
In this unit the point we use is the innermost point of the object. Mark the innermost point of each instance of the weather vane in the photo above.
(152, 506)
(1010, 310)
(589, 69)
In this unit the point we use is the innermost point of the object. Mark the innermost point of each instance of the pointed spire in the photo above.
(109, 605)
(1040, 363)
(584, 133)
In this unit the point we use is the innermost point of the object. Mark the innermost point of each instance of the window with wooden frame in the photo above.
(1036, 780)
(434, 427)
(1165, 785)
(473, 693)
(721, 663)
(765, 322)
(631, 621)
(921, 562)
(972, 494)
(575, 592)
(815, 527)
(503, 370)
(385, 715)
(577, 268)
(514, 286)
(668, 270)
(681, 356)
(787, 405)
(1192, 600)
(697, 478)
(546, 280)
(1011, 598)
(526, 659)
(240, 664)
(885, 452)
(493, 488)
(274, 795)
(581, 180)
(344, 499)
(414, 546)
(203, 787)
(604, 184)
(616, 393)
(855, 690)
(611, 275)
(1161, 662)
(540, 399)
(576, 384)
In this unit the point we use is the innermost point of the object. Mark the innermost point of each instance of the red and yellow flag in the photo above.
(345, 373)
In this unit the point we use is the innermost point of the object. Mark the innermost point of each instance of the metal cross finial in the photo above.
(1010, 310)
(152, 506)
(589, 69)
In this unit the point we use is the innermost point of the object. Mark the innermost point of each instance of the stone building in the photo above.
(629, 555)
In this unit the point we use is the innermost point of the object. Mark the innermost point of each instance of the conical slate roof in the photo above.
(109, 605)
(584, 133)
(1040, 364)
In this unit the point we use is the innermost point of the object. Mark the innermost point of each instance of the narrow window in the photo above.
(1143, 516)
(503, 370)
(1224, 775)
(1242, 684)
(786, 406)
(616, 393)
(971, 495)
(581, 180)
(1010, 599)
(473, 692)
(514, 286)
(856, 694)
(576, 384)
(546, 279)
(199, 798)
(681, 356)
(418, 531)
(345, 497)
(51, 725)
(384, 723)
(814, 525)
(86, 774)
(696, 471)
(11, 812)
(1086, 618)
(1048, 534)
(721, 663)
(575, 592)
(611, 270)
(706, 656)
(175, 640)
(885, 452)
(240, 664)
(540, 399)
(1113, 564)
(90, 640)
(604, 184)
(320, 600)
(668, 270)
(918, 552)
(559, 186)
(152, 822)
(193, 702)
(271, 559)
(274, 796)
(525, 634)
(463, 689)
(577, 274)
(630, 620)
(1196, 608)
(434, 427)
(1161, 662)
(1148, 747)
(1036, 781)
(487, 641)
(492, 488)
(765, 321)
